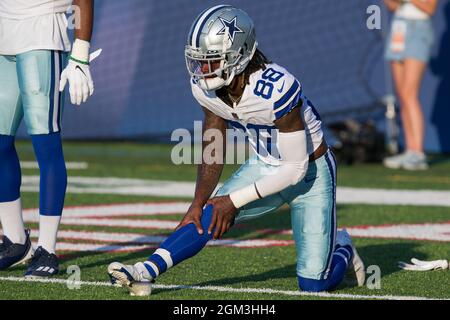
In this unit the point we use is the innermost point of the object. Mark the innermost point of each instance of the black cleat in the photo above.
(42, 265)
(12, 254)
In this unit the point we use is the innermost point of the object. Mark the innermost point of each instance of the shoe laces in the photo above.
(37, 256)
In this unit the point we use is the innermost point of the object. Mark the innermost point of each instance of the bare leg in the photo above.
(410, 89)
(398, 72)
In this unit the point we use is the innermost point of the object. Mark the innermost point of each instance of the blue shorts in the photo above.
(418, 40)
(313, 210)
(29, 89)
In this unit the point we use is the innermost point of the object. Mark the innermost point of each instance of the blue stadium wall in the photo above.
(142, 87)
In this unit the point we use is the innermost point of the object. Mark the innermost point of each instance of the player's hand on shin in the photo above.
(224, 213)
(193, 215)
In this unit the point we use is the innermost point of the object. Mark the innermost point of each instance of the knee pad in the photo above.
(10, 176)
(53, 183)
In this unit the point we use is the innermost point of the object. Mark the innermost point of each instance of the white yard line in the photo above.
(120, 240)
(424, 232)
(69, 165)
(90, 247)
(122, 223)
(115, 237)
(230, 290)
(345, 195)
(427, 231)
(121, 186)
(393, 196)
(114, 210)
(118, 216)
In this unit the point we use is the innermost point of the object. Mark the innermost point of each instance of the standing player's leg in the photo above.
(186, 241)
(413, 74)
(16, 246)
(39, 73)
(323, 255)
(398, 74)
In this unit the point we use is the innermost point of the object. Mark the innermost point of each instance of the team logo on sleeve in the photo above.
(232, 26)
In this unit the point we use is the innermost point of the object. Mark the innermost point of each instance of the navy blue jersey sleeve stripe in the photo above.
(288, 95)
(310, 104)
(289, 107)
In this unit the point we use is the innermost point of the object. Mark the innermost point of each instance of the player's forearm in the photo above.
(210, 170)
(292, 147)
(292, 169)
(392, 5)
(428, 6)
(208, 176)
(86, 19)
(207, 179)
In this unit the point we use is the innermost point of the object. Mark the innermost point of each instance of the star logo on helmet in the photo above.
(232, 28)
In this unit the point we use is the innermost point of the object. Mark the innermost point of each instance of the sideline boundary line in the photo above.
(231, 290)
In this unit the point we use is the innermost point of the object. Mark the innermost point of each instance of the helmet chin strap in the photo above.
(230, 78)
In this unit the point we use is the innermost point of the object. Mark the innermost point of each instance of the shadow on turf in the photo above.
(438, 159)
(387, 255)
(384, 255)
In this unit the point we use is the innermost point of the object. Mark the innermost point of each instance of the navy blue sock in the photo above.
(341, 258)
(10, 176)
(181, 245)
(53, 183)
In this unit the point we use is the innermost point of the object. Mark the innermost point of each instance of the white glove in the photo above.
(77, 73)
(418, 265)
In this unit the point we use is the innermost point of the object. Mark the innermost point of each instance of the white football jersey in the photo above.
(271, 94)
(27, 25)
(23, 9)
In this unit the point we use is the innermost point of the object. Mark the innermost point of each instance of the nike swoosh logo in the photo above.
(282, 87)
(308, 180)
(78, 68)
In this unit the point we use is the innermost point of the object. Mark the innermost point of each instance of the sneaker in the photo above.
(415, 161)
(12, 254)
(42, 265)
(356, 273)
(395, 162)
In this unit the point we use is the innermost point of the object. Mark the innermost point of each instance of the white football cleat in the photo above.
(123, 275)
(356, 272)
(129, 276)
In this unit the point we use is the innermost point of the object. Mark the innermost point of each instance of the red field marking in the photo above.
(114, 215)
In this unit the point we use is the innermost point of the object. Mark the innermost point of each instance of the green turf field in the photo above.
(216, 273)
